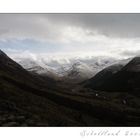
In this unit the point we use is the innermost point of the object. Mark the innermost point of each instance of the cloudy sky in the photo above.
(70, 35)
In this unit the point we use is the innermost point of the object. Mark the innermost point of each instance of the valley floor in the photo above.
(68, 105)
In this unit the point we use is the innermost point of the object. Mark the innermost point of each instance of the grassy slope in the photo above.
(61, 108)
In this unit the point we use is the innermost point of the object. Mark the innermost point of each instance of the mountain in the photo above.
(126, 78)
(72, 70)
(39, 68)
(83, 69)
(42, 66)
(79, 71)
(133, 65)
(29, 99)
(101, 77)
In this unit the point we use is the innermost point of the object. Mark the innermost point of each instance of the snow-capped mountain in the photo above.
(84, 69)
(39, 68)
(31, 65)
(76, 69)
(79, 71)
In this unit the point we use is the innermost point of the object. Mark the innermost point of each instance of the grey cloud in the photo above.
(118, 30)
(130, 53)
(114, 25)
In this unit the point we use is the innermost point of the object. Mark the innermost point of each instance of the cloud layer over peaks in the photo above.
(116, 35)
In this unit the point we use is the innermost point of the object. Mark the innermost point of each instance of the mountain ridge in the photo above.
(123, 80)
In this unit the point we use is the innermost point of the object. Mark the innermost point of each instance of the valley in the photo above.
(28, 98)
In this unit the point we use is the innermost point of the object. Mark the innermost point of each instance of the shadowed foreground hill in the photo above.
(126, 78)
(25, 95)
(27, 99)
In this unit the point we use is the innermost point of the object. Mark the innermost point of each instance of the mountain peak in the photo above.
(135, 60)
(3, 57)
(2, 53)
(133, 65)
(7, 64)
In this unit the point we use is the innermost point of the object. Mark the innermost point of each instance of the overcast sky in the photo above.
(116, 35)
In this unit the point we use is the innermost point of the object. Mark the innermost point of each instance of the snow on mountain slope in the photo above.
(78, 69)
(39, 68)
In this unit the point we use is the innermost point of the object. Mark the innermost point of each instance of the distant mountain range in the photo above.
(75, 70)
